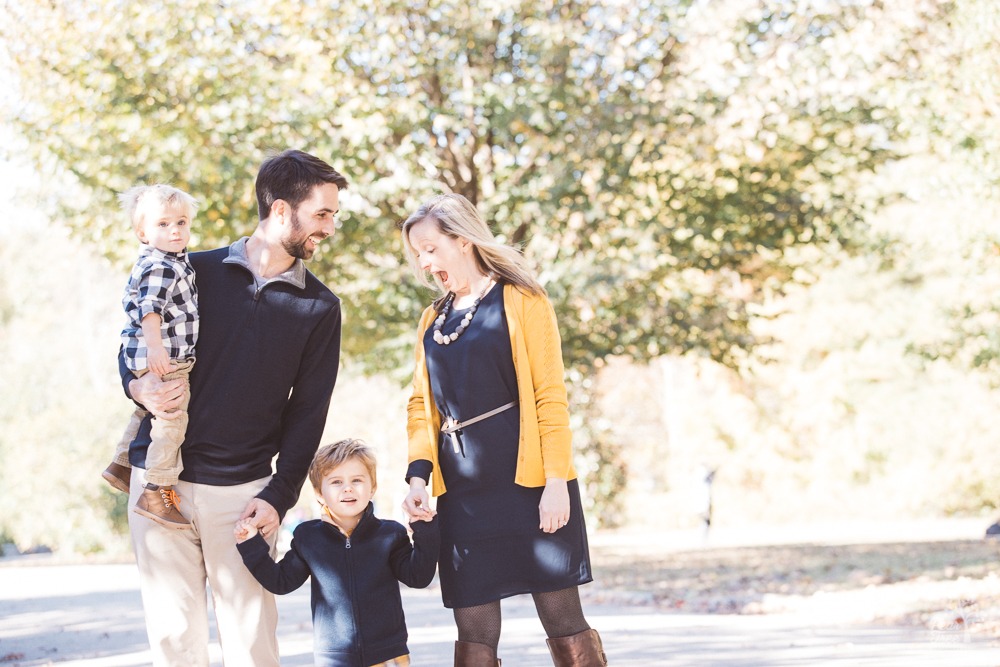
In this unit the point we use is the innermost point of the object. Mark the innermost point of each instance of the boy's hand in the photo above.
(426, 515)
(244, 530)
(158, 361)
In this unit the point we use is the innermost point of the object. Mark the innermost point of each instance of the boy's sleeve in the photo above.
(415, 564)
(155, 284)
(280, 578)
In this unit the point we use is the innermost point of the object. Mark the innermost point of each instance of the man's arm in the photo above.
(304, 417)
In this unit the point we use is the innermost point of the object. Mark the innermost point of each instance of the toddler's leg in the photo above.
(119, 471)
(159, 500)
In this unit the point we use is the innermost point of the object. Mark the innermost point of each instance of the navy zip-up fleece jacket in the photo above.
(267, 361)
(356, 606)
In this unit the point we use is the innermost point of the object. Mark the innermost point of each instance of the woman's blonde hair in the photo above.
(458, 218)
(329, 457)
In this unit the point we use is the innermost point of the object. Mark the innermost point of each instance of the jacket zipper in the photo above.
(354, 599)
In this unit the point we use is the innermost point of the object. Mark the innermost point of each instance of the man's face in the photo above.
(312, 221)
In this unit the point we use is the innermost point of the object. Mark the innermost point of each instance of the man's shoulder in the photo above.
(206, 257)
(319, 290)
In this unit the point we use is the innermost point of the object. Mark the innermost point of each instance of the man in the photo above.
(270, 338)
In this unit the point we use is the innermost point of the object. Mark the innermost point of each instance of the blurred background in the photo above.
(769, 229)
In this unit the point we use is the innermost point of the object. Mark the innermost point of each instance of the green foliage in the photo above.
(654, 160)
(662, 162)
(958, 92)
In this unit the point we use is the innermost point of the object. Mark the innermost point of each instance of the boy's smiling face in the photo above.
(166, 227)
(346, 491)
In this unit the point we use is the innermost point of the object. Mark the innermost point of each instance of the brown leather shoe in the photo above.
(584, 649)
(470, 654)
(118, 476)
(159, 503)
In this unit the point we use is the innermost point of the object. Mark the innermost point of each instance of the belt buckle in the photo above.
(450, 425)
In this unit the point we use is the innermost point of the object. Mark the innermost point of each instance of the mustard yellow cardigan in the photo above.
(544, 449)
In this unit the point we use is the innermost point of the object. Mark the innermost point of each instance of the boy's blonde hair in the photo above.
(165, 195)
(329, 457)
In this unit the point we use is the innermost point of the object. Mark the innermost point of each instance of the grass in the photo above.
(903, 583)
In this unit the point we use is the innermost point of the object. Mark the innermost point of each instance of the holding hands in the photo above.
(245, 529)
(417, 503)
(258, 517)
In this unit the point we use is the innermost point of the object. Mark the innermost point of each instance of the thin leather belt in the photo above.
(452, 426)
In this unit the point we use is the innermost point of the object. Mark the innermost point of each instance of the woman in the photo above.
(488, 425)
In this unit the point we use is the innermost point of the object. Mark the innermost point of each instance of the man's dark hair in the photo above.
(291, 175)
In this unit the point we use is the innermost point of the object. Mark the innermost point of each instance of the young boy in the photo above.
(161, 303)
(355, 560)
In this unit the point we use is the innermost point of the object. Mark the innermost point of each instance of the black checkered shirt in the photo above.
(162, 283)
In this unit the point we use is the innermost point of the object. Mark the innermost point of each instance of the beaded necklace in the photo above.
(448, 339)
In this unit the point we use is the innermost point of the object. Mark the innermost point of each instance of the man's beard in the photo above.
(295, 243)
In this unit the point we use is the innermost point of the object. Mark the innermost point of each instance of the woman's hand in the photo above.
(553, 510)
(417, 503)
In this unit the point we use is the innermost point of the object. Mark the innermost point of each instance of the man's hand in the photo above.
(160, 398)
(262, 515)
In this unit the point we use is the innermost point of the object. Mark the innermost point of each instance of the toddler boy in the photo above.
(161, 304)
(355, 560)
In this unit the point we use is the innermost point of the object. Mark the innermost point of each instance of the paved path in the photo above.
(91, 615)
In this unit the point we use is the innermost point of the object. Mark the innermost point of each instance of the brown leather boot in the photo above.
(159, 503)
(470, 654)
(118, 476)
(584, 649)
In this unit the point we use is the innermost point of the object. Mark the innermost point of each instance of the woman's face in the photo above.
(448, 259)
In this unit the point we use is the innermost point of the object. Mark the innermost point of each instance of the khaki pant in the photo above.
(174, 567)
(163, 457)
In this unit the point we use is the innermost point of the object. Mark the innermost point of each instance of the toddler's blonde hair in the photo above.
(165, 195)
(329, 457)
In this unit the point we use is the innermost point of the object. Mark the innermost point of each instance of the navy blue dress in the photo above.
(491, 545)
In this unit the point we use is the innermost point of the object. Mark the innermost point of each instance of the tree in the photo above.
(657, 159)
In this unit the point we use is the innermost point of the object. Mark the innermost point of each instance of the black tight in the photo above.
(559, 611)
(479, 624)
